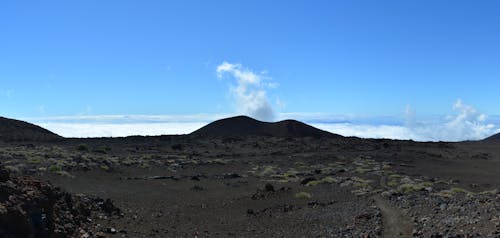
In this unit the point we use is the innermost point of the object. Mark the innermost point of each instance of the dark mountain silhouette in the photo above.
(495, 137)
(241, 126)
(15, 130)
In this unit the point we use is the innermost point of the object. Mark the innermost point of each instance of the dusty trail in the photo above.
(395, 223)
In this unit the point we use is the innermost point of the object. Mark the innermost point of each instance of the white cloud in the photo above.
(249, 93)
(465, 124)
(368, 131)
(124, 125)
(121, 129)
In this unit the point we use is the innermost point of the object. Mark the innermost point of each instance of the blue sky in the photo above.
(356, 59)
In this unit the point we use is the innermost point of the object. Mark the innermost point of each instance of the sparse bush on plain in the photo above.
(325, 180)
(82, 147)
(35, 160)
(303, 195)
(55, 168)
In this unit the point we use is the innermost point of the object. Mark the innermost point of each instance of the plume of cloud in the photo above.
(467, 124)
(250, 92)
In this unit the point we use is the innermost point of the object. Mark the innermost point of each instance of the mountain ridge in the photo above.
(246, 126)
(17, 130)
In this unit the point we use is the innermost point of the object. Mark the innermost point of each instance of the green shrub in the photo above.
(35, 160)
(386, 166)
(460, 190)
(329, 179)
(325, 180)
(101, 150)
(82, 147)
(268, 170)
(64, 173)
(55, 168)
(362, 170)
(392, 183)
(361, 183)
(303, 195)
(410, 188)
(144, 165)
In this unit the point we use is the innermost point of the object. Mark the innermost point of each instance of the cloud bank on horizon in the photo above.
(465, 124)
(249, 95)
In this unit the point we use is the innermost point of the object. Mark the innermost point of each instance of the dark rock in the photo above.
(164, 177)
(37, 209)
(4, 174)
(197, 188)
(111, 230)
(307, 180)
(231, 176)
(269, 187)
(177, 147)
(108, 207)
(250, 212)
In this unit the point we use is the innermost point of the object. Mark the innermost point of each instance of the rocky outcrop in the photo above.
(31, 208)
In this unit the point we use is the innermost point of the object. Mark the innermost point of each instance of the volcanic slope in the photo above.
(15, 130)
(493, 138)
(242, 126)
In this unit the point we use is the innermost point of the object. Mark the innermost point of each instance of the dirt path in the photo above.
(395, 223)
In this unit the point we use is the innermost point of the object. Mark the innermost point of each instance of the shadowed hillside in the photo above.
(495, 137)
(246, 126)
(15, 130)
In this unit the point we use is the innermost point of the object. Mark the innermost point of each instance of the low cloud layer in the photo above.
(83, 130)
(465, 123)
(249, 93)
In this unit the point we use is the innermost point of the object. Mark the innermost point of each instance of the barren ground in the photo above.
(181, 186)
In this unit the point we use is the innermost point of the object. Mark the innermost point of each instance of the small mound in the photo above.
(15, 130)
(241, 126)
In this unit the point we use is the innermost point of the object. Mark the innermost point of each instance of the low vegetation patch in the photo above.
(303, 195)
(55, 168)
(82, 147)
(325, 180)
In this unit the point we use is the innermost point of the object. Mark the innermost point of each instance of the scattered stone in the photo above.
(307, 180)
(231, 176)
(269, 187)
(37, 209)
(197, 188)
(164, 177)
(250, 212)
(111, 230)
